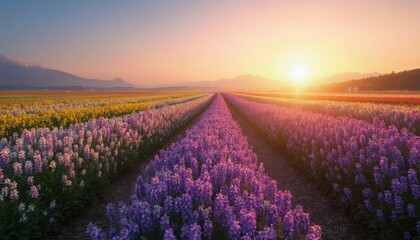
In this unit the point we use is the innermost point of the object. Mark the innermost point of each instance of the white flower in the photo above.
(52, 204)
(53, 165)
(31, 208)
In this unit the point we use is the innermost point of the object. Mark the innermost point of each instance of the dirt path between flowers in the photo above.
(336, 223)
(121, 189)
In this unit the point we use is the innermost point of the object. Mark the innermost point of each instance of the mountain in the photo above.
(402, 81)
(243, 82)
(20, 74)
(341, 77)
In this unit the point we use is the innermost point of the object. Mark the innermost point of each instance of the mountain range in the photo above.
(18, 73)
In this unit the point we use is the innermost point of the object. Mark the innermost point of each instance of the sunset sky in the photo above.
(147, 42)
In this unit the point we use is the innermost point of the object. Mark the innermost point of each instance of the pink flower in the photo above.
(33, 192)
(17, 169)
(14, 194)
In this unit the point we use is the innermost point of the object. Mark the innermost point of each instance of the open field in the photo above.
(358, 161)
(210, 120)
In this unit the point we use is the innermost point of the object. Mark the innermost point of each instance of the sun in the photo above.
(299, 74)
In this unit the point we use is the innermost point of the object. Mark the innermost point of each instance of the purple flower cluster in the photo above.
(372, 167)
(42, 166)
(208, 185)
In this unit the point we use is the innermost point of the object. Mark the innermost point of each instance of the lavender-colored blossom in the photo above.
(380, 215)
(191, 232)
(367, 193)
(164, 222)
(411, 209)
(235, 230)
(169, 234)
(315, 233)
(95, 233)
(208, 229)
(412, 176)
(267, 234)
(347, 192)
(388, 196)
(113, 219)
(415, 190)
(399, 204)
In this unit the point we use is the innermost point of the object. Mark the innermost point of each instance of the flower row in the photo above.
(66, 116)
(46, 174)
(372, 168)
(400, 116)
(208, 185)
(21, 104)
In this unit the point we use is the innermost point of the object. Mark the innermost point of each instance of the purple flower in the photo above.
(248, 221)
(415, 190)
(191, 232)
(347, 192)
(367, 193)
(267, 234)
(412, 176)
(95, 233)
(368, 205)
(380, 215)
(388, 196)
(315, 233)
(399, 204)
(169, 234)
(235, 230)
(113, 219)
(411, 209)
(208, 229)
(164, 222)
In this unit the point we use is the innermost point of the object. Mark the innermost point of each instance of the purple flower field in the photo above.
(372, 168)
(208, 185)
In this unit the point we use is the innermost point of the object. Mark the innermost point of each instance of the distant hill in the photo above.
(341, 77)
(19, 74)
(243, 82)
(402, 81)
